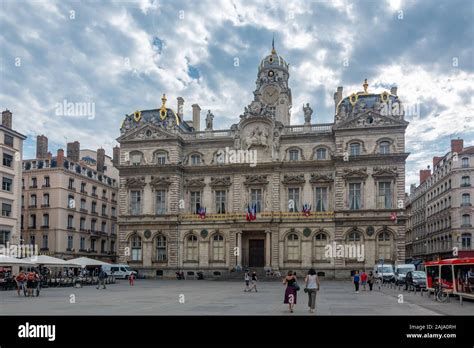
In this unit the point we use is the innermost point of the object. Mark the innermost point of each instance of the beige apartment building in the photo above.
(351, 172)
(11, 147)
(69, 205)
(441, 207)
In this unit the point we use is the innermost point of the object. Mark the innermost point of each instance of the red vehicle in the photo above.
(456, 275)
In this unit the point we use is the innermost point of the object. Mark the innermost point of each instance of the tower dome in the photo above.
(273, 61)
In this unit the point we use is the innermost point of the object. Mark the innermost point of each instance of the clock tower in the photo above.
(272, 90)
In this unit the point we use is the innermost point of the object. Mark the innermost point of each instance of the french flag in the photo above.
(306, 209)
(251, 213)
(202, 213)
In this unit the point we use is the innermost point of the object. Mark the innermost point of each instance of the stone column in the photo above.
(268, 252)
(239, 245)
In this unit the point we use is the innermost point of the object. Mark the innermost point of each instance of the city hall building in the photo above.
(185, 192)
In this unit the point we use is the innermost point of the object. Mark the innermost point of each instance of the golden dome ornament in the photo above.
(384, 97)
(137, 116)
(353, 98)
(163, 111)
(366, 86)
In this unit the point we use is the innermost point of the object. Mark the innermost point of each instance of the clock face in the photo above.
(270, 94)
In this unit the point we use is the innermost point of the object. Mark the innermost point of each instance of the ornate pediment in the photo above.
(358, 173)
(320, 178)
(293, 179)
(194, 183)
(147, 132)
(256, 180)
(369, 119)
(135, 182)
(160, 181)
(385, 172)
(220, 181)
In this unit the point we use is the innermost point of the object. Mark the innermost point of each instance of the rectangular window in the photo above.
(93, 244)
(70, 221)
(321, 198)
(83, 204)
(112, 246)
(82, 244)
(104, 209)
(46, 220)
(465, 162)
(7, 184)
(33, 200)
(7, 160)
(113, 211)
(355, 149)
(220, 202)
(70, 242)
(195, 201)
(160, 202)
(46, 181)
(384, 196)
(46, 199)
(94, 207)
(6, 209)
(465, 181)
(8, 140)
(4, 237)
(102, 246)
(45, 241)
(293, 199)
(71, 184)
(34, 183)
(355, 198)
(93, 223)
(256, 199)
(103, 227)
(135, 208)
(32, 221)
(32, 240)
(82, 224)
(83, 187)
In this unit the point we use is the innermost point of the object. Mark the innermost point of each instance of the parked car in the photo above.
(415, 279)
(401, 271)
(119, 271)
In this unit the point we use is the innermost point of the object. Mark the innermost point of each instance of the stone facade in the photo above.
(69, 209)
(351, 172)
(11, 148)
(440, 208)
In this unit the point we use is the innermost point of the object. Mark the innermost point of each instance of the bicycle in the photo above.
(440, 293)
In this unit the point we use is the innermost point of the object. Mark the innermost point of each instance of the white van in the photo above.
(119, 271)
(385, 270)
(401, 271)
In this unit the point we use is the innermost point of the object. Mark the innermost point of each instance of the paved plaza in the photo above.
(205, 297)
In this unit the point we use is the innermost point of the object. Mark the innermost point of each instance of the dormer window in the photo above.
(294, 155)
(195, 159)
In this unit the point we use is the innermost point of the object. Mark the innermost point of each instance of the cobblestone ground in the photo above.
(162, 297)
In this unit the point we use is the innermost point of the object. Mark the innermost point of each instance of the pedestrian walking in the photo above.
(20, 282)
(253, 282)
(131, 279)
(371, 280)
(312, 287)
(247, 280)
(102, 277)
(356, 280)
(363, 280)
(290, 291)
(31, 282)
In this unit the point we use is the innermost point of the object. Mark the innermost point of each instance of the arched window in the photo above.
(384, 147)
(354, 149)
(294, 155)
(321, 154)
(218, 248)
(384, 245)
(466, 220)
(466, 241)
(293, 247)
(160, 244)
(136, 246)
(195, 159)
(136, 158)
(320, 242)
(160, 157)
(353, 236)
(192, 248)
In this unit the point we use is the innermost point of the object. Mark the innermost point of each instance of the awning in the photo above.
(50, 261)
(85, 261)
(13, 261)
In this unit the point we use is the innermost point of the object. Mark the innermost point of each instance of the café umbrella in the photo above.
(7, 261)
(50, 261)
(86, 261)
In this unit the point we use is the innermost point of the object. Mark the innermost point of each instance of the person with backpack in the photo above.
(20, 281)
(356, 281)
(102, 278)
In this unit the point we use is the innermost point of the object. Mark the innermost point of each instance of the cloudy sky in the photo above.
(119, 56)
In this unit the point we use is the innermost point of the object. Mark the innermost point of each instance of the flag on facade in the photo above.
(307, 209)
(393, 217)
(202, 212)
